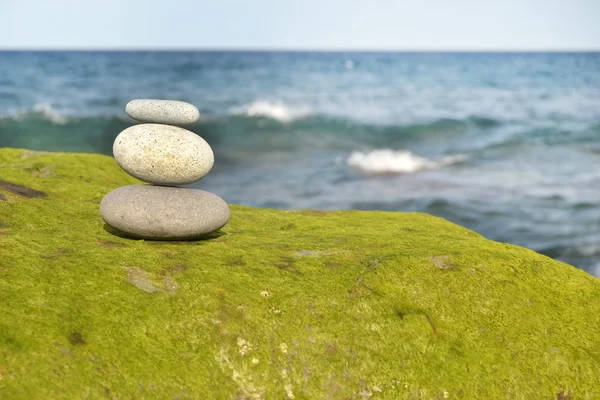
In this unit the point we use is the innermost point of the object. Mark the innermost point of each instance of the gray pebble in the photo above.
(163, 154)
(162, 111)
(164, 213)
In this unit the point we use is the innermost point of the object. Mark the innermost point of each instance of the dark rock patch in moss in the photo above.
(55, 254)
(317, 253)
(563, 396)
(442, 262)
(141, 279)
(21, 190)
(76, 339)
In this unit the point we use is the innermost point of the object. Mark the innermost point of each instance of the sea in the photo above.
(506, 144)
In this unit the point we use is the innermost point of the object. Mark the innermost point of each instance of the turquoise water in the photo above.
(507, 144)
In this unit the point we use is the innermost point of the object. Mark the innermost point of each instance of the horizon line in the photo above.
(295, 50)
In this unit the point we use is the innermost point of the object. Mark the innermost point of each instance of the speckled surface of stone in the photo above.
(163, 154)
(164, 213)
(170, 112)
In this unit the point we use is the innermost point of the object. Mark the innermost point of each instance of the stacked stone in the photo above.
(166, 156)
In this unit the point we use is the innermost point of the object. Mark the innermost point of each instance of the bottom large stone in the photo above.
(164, 213)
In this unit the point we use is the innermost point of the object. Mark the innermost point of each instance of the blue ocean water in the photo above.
(507, 144)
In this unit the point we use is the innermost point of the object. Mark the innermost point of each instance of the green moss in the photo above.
(279, 304)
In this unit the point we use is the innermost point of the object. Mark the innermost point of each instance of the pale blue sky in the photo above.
(301, 24)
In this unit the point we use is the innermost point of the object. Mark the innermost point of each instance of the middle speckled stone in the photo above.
(163, 154)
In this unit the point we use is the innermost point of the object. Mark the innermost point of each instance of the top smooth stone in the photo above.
(169, 112)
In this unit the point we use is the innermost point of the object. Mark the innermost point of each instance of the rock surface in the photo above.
(170, 112)
(163, 154)
(311, 304)
(157, 212)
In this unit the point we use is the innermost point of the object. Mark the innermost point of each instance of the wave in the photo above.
(387, 161)
(262, 127)
(50, 113)
(274, 110)
(41, 110)
(286, 113)
(47, 130)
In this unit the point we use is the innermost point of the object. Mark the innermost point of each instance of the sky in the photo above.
(301, 24)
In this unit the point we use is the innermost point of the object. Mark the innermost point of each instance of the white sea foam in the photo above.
(275, 110)
(453, 159)
(43, 108)
(591, 250)
(387, 161)
(50, 113)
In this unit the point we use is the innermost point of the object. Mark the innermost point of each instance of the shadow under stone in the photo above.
(121, 234)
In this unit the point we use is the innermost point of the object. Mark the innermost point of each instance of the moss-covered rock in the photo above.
(278, 304)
